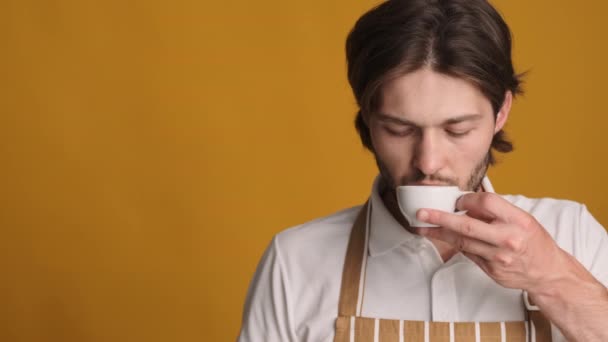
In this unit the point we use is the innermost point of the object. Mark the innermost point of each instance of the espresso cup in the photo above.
(412, 198)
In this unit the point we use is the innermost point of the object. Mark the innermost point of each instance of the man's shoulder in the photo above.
(326, 228)
(544, 206)
(315, 249)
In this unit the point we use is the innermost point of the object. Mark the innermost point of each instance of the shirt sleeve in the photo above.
(596, 246)
(267, 314)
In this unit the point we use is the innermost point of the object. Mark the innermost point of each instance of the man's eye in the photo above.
(457, 134)
(399, 132)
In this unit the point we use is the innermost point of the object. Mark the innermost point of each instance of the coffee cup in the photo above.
(412, 198)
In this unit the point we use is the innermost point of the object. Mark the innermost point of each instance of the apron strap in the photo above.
(351, 273)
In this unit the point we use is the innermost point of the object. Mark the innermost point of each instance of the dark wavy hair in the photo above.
(467, 39)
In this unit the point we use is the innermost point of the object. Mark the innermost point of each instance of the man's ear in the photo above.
(503, 113)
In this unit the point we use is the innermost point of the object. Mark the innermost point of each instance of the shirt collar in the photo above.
(386, 233)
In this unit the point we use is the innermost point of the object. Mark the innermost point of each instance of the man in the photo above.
(434, 82)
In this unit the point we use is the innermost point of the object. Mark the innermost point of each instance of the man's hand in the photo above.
(513, 248)
(505, 241)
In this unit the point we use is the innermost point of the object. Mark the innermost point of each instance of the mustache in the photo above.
(420, 178)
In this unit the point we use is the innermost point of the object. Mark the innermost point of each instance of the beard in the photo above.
(473, 183)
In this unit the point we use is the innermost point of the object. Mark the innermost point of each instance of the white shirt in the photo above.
(294, 293)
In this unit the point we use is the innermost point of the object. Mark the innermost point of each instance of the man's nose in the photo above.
(429, 156)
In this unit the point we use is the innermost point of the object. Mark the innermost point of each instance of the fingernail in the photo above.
(423, 215)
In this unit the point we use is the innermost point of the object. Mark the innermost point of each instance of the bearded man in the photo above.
(434, 82)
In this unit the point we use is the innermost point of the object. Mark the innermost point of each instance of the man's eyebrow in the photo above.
(462, 118)
(390, 118)
(451, 121)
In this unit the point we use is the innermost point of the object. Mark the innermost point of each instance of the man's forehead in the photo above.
(426, 93)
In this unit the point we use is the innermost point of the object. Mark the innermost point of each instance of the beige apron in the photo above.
(351, 327)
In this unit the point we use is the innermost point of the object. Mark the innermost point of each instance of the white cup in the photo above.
(411, 198)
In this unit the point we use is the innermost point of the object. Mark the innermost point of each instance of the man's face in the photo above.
(433, 129)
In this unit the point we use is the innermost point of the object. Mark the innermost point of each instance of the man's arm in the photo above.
(575, 302)
(517, 252)
(267, 313)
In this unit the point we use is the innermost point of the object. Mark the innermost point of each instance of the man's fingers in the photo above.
(460, 242)
(463, 225)
(488, 207)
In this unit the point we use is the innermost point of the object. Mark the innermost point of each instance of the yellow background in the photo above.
(149, 150)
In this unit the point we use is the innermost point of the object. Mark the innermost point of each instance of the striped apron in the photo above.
(351, 327)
